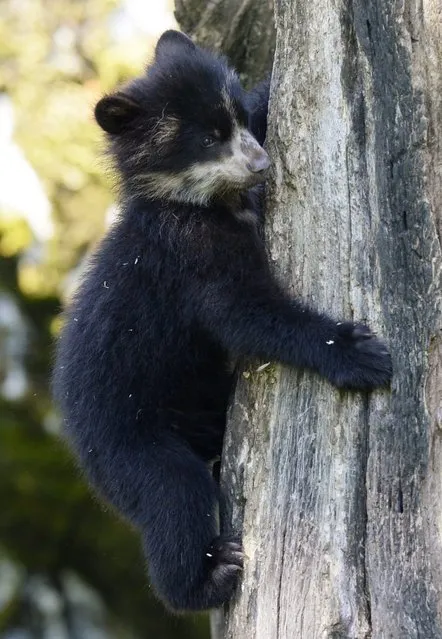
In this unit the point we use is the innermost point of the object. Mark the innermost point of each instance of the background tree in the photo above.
(244, 31)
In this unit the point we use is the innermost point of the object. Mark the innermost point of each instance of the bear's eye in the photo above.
(208, 140)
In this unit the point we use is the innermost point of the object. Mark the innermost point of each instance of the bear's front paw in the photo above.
(361, 360)
(225, 558)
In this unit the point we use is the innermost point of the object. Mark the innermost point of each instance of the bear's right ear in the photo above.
(172, 42)
(114, 112)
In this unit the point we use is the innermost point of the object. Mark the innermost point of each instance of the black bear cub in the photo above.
(180, 284)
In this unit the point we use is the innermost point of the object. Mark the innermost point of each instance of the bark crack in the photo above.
(365, 457)
(280, 584)
(350, 230)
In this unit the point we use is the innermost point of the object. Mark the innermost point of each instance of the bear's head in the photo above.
(181, 131)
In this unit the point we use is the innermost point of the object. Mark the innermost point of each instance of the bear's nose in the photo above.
(259, 163)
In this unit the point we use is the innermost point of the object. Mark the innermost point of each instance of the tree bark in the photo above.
(339, 495)
(244, 31)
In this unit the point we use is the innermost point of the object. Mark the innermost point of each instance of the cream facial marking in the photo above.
(163, 134)
(234, 172)
(227, 102)
(165, 131)
(248, 156)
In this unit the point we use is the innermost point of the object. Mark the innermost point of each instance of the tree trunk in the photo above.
(339, 495)
(244, 31)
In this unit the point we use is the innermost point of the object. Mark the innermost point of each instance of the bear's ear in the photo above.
(114, 112)
(173, 42)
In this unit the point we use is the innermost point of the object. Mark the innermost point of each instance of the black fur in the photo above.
(257, 101)
(176, 289)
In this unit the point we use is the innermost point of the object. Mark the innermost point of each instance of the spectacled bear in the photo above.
(179, 285)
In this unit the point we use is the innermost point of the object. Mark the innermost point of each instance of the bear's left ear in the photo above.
(115, 112)
(173, 42)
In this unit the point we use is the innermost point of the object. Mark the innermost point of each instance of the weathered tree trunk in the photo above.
(340, 495)
(244, 31)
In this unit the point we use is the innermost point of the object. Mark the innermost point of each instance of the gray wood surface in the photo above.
(339, 495)
(241, 29)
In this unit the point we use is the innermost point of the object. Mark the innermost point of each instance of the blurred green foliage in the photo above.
(56, 58)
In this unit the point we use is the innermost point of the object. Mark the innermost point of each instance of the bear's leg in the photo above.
(191, 567)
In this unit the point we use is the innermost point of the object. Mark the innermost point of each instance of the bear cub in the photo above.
(179, 285)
